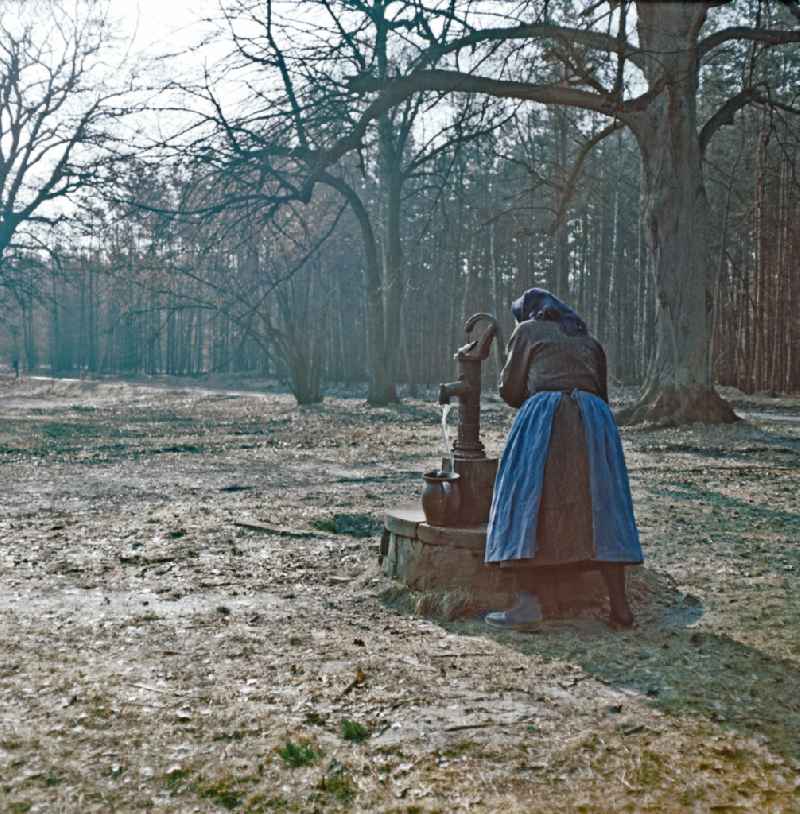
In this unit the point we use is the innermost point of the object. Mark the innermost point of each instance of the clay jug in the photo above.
(441, 498)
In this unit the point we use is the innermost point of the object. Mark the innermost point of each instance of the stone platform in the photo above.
(450, 560)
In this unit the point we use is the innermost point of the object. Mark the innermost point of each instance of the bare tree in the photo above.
(287, 139)
(646, 77)
(56, 112)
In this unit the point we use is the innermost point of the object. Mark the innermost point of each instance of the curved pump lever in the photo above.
(478, 349)
(469, 357)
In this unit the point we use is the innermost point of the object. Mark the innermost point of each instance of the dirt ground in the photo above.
(192, 619)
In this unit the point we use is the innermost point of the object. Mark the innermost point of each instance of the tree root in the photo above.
(673, 406)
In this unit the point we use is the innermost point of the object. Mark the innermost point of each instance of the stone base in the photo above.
(450, 560)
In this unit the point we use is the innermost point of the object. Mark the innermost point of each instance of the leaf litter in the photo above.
(190, 585)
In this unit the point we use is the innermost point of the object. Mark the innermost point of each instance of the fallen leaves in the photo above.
(236, 611)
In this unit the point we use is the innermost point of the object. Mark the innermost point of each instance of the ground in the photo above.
(193, 619)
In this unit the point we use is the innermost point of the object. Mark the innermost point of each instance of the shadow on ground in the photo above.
(676, 668)
(667, 661)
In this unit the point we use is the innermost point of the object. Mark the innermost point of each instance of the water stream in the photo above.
(448, 453)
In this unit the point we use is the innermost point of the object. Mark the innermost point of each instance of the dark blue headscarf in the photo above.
(536, 303)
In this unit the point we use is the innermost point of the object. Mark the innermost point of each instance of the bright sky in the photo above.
(177, 29)
(161, 25)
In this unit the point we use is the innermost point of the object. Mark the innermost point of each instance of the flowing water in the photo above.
(448, 453)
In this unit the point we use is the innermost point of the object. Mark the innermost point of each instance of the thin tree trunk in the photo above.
(380, 389)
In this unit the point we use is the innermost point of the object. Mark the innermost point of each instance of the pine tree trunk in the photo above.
(559, 276)
(381, 389)
(393, 272)
(603, 289)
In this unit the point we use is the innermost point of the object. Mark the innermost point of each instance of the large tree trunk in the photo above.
(678, 387)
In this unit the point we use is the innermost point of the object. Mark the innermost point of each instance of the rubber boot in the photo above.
(525, 615)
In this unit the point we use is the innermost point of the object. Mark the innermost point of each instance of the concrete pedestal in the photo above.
(450, 560)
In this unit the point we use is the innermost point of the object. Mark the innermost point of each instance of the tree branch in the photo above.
(569, 187)
(456, 82)
(766, 36)
(725, 115)
(538, 31)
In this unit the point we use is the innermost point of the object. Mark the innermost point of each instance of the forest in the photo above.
(301, 233)
(239, 241)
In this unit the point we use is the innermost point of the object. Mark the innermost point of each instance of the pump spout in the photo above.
(458, 389)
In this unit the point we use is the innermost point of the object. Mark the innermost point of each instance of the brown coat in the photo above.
(542, 357)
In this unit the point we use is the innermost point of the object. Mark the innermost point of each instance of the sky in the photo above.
(150, 29)
(144, 29)
(161, 25)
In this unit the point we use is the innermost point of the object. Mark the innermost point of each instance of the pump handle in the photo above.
(478, 349)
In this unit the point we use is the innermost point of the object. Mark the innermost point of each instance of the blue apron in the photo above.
(518, 487)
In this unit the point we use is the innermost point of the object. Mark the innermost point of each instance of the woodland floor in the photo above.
(156, 656)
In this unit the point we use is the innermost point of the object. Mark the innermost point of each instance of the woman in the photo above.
(561, 496)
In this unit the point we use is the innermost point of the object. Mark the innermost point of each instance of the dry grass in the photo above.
(155, 656)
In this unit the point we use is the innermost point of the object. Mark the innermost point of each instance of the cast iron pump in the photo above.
(476, 470)
(468, 387)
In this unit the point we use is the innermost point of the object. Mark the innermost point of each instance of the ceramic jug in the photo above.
(441, 498)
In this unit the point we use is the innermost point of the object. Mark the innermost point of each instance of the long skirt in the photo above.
(562, 493)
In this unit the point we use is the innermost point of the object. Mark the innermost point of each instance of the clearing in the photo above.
(193, 618)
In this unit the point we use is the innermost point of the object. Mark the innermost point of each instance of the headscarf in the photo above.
(536, 303)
